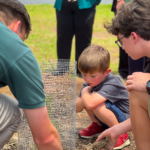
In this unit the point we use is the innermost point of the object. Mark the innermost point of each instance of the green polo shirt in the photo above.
(82, 4)
(20, 70)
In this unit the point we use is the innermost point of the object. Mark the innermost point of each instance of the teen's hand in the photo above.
(111, 137)
(119, 4)
(137, 81)
(113, 133)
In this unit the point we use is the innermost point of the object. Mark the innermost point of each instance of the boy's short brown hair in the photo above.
(13, 9)
(94, 58)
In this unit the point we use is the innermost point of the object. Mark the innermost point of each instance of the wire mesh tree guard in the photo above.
(59, 78)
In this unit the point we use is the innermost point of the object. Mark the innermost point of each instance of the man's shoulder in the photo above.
(12, 47)
(10, 42)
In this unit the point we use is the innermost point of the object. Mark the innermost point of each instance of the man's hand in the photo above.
(137, 81)
(111, 137)
(119, 4)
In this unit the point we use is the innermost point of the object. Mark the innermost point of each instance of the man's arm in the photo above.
(91, 101)
(113, 133)
(44, 133)
(137, 81)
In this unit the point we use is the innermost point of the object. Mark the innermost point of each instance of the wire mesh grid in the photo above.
(59, 78)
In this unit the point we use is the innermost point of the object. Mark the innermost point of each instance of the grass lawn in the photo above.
(42, 39)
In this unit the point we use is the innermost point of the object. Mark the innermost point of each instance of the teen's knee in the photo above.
(79, 105)
(137, 98)
(133, 99)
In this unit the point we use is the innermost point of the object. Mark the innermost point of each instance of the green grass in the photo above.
(42, 39)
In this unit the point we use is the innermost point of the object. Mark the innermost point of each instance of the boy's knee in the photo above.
(79, 105)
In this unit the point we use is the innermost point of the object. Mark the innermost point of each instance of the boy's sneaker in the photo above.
(123, 141)
(93, 130)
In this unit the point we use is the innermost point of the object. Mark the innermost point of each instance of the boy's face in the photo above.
(132, 45)
(94, 79)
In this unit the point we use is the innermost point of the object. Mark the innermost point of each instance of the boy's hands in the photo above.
(91, 100)
(86, 90)
(137, 81)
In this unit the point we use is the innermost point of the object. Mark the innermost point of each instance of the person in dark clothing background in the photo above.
(73, 18)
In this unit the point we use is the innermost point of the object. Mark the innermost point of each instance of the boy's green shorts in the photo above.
(149, 107)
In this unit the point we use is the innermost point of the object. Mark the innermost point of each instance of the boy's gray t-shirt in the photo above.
(114, 91)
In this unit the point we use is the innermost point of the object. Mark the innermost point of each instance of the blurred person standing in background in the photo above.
(74, 17)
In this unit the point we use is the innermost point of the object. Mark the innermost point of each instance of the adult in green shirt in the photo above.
(74, 18)
(20, 71)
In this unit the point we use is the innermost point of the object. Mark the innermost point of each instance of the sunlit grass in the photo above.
(42, 39)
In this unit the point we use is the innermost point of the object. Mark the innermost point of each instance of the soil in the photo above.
(82, 121)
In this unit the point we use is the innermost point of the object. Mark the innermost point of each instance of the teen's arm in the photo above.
(91, 101)
(113, 133)
(137, 81)
(44, 133)
(119, 4)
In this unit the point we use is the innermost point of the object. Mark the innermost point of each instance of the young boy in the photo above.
(103, 96)
(132, 27)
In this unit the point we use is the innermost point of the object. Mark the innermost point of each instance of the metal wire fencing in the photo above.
(59, 78)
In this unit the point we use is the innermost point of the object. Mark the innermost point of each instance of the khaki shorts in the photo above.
(10, 118)
(149, 107)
